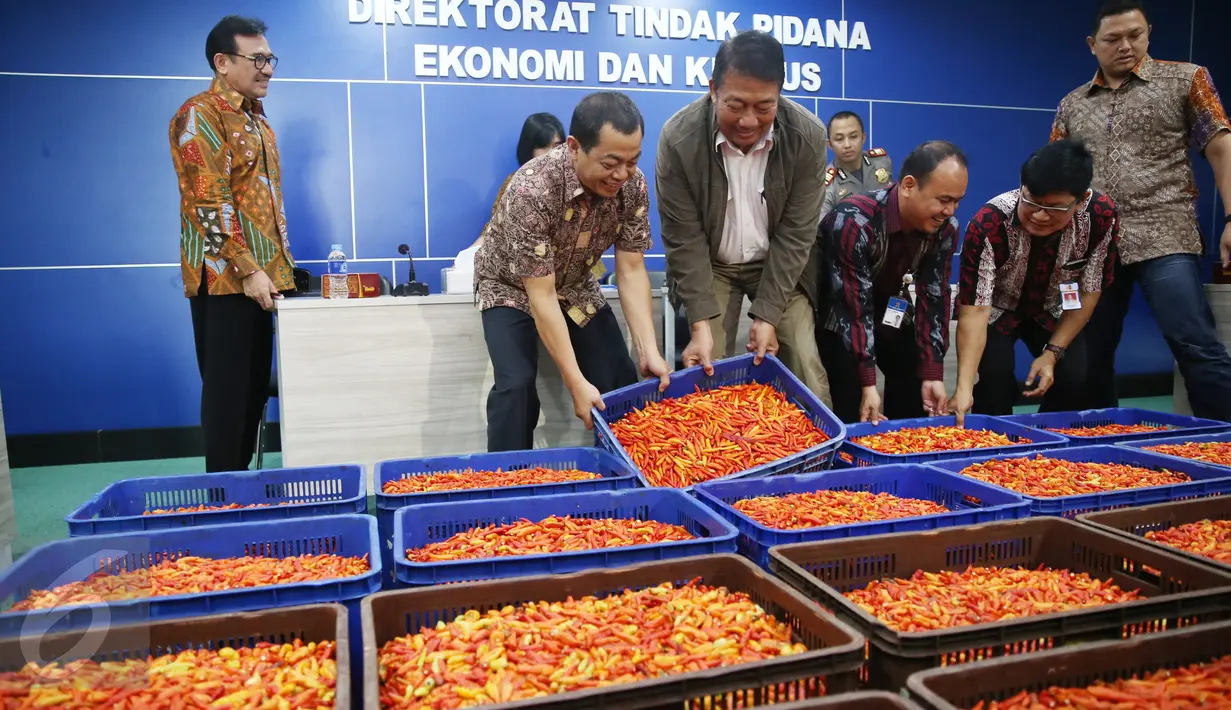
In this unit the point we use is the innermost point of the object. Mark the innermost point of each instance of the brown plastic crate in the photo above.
(316, 622)
(865, 700)
(964, 686)
(1178, 592)
(1136, 522)
(835, 655)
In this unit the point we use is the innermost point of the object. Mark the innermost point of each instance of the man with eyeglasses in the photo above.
(1142, 118)
(235, 257)
(1033, 265)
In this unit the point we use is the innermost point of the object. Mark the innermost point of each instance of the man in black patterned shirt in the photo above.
(875, 246)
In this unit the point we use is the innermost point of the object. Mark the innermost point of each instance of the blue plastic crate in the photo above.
(416, 526)
(64, 561)
(1144, 444)
(733, 371)
(863, 456)
(1175, 423)
(289, 492)
(616, 475)
(969, 500)
(1206, 480)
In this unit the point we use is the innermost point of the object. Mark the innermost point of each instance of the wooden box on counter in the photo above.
(361, 285)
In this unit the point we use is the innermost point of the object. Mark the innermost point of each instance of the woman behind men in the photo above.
(540, 133)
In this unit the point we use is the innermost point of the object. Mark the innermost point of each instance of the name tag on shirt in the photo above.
(895, 312)
(1070, 298)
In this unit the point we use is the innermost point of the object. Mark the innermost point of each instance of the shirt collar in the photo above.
(234, 99)
(893, 214)
(1143, 71)
(767, 140)
(563, 158)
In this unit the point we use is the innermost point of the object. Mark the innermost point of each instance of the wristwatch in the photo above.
(1055, 350)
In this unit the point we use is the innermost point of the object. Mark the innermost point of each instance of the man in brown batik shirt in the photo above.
(1139, 116)
(533, 275)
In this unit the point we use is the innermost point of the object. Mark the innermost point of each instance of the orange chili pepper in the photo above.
(1216, 452)
(470, 478)
(204, 508)
(1107, 429)
(1045, 477)
(1199, 685)
(933, 438)
(1208, 538)
(823, 508)
(979, 595)
(291, 675)
(194, 575)
(552, 534)
(543, 648)
(709, 434)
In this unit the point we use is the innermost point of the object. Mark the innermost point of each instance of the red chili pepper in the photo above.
(1216, 452)
(823, 508)
(1208, 538)
(709, 434)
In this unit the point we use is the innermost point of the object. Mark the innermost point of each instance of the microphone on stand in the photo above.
(411, 287)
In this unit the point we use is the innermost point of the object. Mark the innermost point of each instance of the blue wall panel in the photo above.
(86, 349)
(388, 149)
(89, 180)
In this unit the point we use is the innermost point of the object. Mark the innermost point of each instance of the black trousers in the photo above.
(897, 355)
(513, 344)
(235, 349)
(998, 388)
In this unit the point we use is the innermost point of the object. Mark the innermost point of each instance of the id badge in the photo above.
(1070, 297)
(895, 312)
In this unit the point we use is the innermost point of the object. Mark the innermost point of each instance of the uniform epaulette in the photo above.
(829, 176)
(877, 153)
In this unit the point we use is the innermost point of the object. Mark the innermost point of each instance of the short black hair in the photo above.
(221, 39)
(1061, 166)
(603, 108)
(539, 131)
(752, 53)
(1111, 8)
(926, 157)
(841, 115)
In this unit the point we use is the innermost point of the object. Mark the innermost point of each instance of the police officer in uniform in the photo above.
(853, 170)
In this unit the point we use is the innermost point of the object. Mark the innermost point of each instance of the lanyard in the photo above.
(908, 278)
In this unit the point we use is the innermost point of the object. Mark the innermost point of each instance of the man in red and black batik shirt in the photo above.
(1033, 265)
(874, 247)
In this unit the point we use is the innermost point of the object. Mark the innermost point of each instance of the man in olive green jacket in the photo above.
(739, 178)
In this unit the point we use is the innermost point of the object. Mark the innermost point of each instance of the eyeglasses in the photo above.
(1045, 209)
(259, 60)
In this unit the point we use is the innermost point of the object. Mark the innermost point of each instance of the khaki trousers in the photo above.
(796, 329)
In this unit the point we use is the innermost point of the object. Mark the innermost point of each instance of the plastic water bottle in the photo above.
(339, 287)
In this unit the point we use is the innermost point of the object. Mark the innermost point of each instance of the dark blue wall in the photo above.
(95, 328)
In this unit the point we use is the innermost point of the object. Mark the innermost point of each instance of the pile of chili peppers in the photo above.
(543, 648)
(1200, 685)
(290, 676)
(714, 433)
(550, 535)
(1207, 538)
(1107, 429)
(926, 439)
(1045, 477)
(823, 508)
(928, 601)
(469, 478)
(195, 575)
(1215, 452)
(203, 508)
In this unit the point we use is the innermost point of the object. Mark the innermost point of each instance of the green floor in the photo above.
(44, 495)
